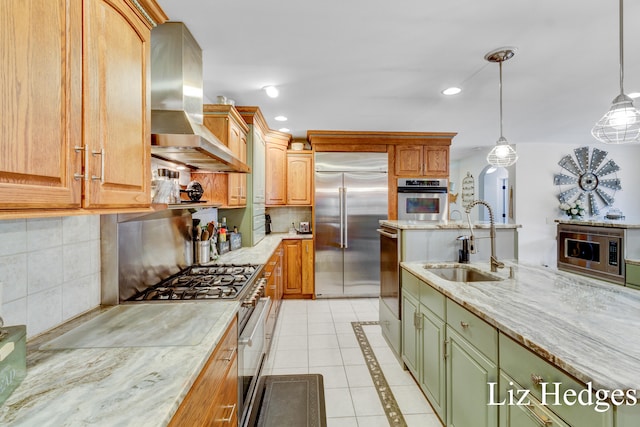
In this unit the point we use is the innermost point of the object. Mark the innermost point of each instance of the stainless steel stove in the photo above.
(225, 281)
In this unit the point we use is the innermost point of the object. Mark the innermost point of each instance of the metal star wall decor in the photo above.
(584, 179)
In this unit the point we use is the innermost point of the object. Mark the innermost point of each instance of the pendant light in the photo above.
(621, 124)
(503, 154)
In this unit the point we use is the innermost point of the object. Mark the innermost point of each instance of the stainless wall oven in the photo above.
(592, 251)
(423, 199)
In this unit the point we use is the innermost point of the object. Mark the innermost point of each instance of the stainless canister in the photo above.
(203, 248)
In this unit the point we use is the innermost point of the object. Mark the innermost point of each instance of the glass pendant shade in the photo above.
(620, 125)
(502, 155)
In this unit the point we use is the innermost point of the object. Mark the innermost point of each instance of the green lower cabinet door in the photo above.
(469, 373)
(526, 413)
(433, 372)
(410, 332)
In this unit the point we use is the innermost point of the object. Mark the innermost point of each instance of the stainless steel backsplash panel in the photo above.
(149, 248)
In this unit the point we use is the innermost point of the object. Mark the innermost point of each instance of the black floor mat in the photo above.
(290, 400)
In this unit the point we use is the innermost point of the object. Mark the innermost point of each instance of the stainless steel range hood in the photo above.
(177, 132)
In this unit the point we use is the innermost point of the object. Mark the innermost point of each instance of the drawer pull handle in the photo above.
(464, 324)
(230, 417)
(231, 351)
(540, 419)
(537, 379)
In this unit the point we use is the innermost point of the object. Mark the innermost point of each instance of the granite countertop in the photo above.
(105, 369)
(444, 225)
(260, 253)
(102, 367)
(603, 222)
(587, 327)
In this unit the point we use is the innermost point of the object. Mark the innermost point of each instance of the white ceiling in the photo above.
(380, 65)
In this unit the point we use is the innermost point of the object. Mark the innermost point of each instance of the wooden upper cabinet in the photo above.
(409, 160)
(422, 160)
(116, 105)
(228, 126)
(436, 162)
(299, 178)
(41, 107)
(276, 173)
(75, 112)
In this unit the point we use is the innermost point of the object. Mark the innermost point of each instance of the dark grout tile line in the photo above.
(388, 400)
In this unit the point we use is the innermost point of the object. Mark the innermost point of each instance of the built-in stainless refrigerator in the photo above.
(350, 199)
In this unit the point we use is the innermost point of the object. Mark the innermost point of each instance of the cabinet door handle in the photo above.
(540, 419)
(101, 154)
(78, 149)
(230, 417)
(536, 379)
(464, 324)
(444, 353)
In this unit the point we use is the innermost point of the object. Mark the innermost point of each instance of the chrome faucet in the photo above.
(495, 264)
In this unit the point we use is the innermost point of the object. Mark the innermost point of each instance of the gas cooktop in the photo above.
(223, 281)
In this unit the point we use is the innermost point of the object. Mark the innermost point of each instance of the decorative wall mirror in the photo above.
(586, 180)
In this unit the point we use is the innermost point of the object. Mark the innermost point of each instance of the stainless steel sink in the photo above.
(461, 273)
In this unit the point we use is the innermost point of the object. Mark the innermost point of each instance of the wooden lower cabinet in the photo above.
(213, 397)
(299, 270)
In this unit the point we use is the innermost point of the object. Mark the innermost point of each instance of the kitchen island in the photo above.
(586, 327)
(130, 364)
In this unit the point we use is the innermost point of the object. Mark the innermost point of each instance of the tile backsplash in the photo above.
(282, 217)
(49, 270)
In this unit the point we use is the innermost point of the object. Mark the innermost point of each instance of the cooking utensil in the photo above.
(205, 235)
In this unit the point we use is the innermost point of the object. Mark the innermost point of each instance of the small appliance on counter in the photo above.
(305, 228)
(267, 224)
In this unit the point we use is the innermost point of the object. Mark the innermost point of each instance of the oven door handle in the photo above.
(248, 341)
(387, 234)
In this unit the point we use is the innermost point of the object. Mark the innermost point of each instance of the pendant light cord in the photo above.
(500, 64)
(621, 50)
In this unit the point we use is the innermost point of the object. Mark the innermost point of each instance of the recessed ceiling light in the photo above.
(284, 129)
(272, 91)
(451, 91)
(634, 95)
(280, 118)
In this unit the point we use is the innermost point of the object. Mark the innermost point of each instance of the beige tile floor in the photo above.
(317, 337)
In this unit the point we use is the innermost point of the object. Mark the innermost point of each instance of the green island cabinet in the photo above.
(472, 363)
(423, 330)
(452, 363)
(632, 275)
(454, 355)
(529, 371)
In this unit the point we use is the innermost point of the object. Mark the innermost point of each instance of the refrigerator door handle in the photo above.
(346, 218)
(341, 213)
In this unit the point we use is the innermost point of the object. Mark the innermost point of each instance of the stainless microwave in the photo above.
(423, 199)
(592, 251)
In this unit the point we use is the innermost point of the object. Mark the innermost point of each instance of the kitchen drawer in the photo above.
(532, 414)
(528, 369)
(433, 300)
(197, 407)
(475, 330)
(391, 327)
(410, 283)
(225, 402)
